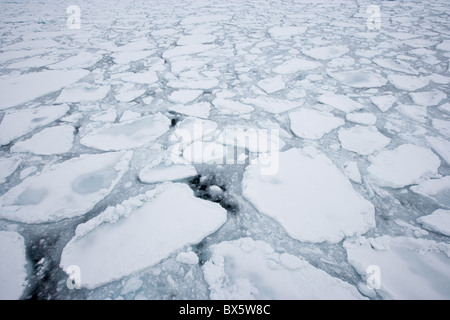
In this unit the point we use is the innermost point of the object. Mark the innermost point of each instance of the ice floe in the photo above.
(438, 221)
(18, 123)
(359, 79)
(19, 89)
(405, 165)
(326, 53)
(231, 275)
(151, 174)
(295, 65)
(438, 189)
(127, 135)
(409, 268)
(13, 272)
(340, 102)
(7, 167)
(363, 140)
(53, 140)
(154, 226)
(408, 83)
(384, 103)
(313, 124)
(64, 190)
(294, 197)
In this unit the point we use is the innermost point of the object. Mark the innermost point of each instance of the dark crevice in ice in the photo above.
(208, 187)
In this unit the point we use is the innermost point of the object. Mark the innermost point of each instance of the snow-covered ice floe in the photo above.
(23, 88)
(140, 232)
(405, 165)
(232, 274)
(309, 197)
(65, 190)
(13, 272)
(409, 268)
(18, 123)
(127, 135)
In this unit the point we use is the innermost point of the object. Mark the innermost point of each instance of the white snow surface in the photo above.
(18, 123)
(405, 165)
(19, 89)
(340, 102)
(438, 221)
(294, 197)
(7, 167)
(127, 135)
(363, 140)
(437, 189)
(166, 173)
(13, 272)
(154, 226)
(64, 190)
(52, 140)
(313, 124)
(410, 268)
(232, 274)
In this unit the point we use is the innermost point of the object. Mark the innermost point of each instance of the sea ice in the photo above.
(19, 89)
(64, 190)
(340, 102)
(184, 96)
(53, 140)
(313, 124)
(438, 189)
(407, 164)
(127, 135)
(359, 79)
(438, 221)
(151, 174)
(226, 106)
(410, 268)
(272, 85)
(273, 105)
(407, 83)
(428, 98)
(82, 92)
(440, 146)
(7, 167)
(13, 273)
(18, 123)
(363, 140)
(309, 197)
(384, 103)
(295, 65)
(365, 118)
(416, 113)
(326, 53)
(231, 275)
(155, 225)
(200, 110)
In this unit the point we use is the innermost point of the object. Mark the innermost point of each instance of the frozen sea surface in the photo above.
(225, 150)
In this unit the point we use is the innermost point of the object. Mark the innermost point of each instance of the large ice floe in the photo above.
(140, 232)
(294, 197)
(405, 165)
